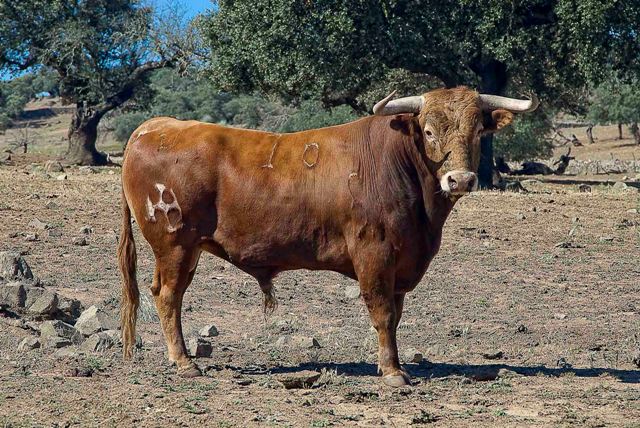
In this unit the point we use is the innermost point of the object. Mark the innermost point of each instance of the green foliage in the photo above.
(125, 124)
(615, 101)
(312, 114)
(334, 51)
(526, 138)
(186, 97)
(16, 93)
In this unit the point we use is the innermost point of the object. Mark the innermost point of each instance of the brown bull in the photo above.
(367, 199)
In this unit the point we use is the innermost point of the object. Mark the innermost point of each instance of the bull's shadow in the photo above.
(425, 371)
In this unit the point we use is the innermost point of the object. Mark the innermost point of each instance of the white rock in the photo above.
(198, 347)
(209, 331)
(94, 320)
(352, 291)
(29, 343)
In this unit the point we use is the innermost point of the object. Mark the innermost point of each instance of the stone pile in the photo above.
(60, 321)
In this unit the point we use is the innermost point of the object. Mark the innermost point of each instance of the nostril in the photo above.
(453, 184)
(472, 182)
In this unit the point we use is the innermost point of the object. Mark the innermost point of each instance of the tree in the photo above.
(16, 93)
(616, 101)
(101, 50)
(189, 97)
(336, 51)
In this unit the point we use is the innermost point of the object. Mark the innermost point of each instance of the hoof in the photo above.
(397, 380)
(189, 372)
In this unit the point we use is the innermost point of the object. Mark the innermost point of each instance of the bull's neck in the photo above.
(437, 206)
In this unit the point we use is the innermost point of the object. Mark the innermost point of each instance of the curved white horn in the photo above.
(493, 102)
(386, 107)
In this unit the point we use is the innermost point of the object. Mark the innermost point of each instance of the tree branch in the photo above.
(127, 90)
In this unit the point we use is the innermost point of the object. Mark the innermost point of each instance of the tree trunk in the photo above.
(590, 134)
(635, 130)
(619, 131)
(493, 80)
(83, 133)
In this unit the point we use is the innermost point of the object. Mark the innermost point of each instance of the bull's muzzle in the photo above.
(459, 182)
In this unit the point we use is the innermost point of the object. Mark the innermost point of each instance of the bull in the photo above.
(367, 199)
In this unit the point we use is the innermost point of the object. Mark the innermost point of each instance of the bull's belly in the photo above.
(280, 246)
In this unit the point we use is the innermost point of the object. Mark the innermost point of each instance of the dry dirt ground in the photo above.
(564, 322)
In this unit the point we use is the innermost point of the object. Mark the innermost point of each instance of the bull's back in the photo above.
(253, 194)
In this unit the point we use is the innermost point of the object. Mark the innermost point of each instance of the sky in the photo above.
(192, 7)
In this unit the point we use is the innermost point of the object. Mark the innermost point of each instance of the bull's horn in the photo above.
(386, 107)
(494, 102)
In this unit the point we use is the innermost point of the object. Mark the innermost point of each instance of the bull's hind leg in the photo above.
(174, 273)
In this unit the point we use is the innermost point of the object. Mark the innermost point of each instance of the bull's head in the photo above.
(452, 122)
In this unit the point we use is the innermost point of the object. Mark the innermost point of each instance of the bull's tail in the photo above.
(127, 260)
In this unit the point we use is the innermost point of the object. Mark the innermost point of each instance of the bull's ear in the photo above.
(497, 120)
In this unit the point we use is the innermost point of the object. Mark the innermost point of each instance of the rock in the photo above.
(94, 320)
(66, 353)
(515, 186)
(61, 177)
(51, 331)
(352, 292)
(296, 380)
(209, 331)
(483, 374)
(54, 233)
(305, 342)
(87, 170)
(563, 363)
(199, 348)
(413, 356)
(86, 230)
(53, 166)
(51, 205)
(560, 316)
(29, 343)
(13, 294)
(506, 373)
(632, 211)
(31, 237)
(81, 241)
(493, 355)
(520, 216)
(46, 304)
(606, 239)
(98, 342)
(39, 225)
(114, 335)
(522, 329)
(620, 186)
(56, 342)
(13, 266)
(584, 188)
(70, 307)
(636, 359)
(33, 293)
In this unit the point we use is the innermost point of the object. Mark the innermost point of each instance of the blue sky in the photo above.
(192, 7)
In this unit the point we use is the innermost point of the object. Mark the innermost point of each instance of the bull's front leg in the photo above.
(385, 309)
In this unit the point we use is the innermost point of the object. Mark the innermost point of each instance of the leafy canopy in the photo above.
(615, 101)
